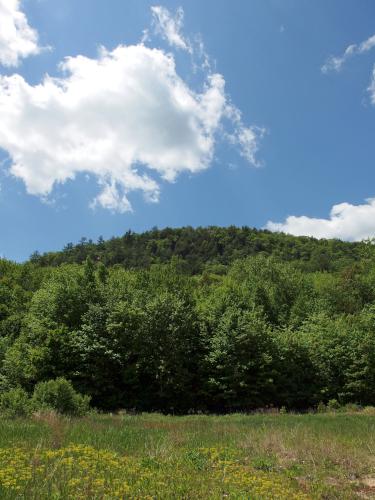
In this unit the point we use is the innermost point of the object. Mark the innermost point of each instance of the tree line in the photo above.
(205, 247)
(254, 331)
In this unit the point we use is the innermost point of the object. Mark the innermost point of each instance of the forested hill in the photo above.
(223, 320)
(201, 248)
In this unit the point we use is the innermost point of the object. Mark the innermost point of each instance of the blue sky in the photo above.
(310, 133)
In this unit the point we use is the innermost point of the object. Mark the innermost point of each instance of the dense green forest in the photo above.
(185, 320)
(212, 246)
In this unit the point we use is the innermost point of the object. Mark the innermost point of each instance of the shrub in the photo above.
(333, 405)
(321, 408)
(15, 403)
(59, 395)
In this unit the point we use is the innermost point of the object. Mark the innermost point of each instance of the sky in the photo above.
(131, 114)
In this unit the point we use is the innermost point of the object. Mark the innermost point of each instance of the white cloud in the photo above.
(17, 39)
(246, 138)
(124, 117)
(335, 63)
(111, 199)
(371, 87)
(170, 27)
(346, 222)
(367, 45)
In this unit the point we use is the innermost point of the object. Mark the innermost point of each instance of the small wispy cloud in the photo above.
(371, 87)
(170, 27)
(335, 63)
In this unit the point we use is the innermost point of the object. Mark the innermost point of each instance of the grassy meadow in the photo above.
(261, 456)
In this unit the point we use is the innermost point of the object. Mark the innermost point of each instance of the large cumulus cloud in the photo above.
(126, 117)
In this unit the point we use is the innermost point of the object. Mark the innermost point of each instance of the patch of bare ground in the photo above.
(369, 482)
(365, 487)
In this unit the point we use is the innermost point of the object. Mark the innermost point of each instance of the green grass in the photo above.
(326, 456)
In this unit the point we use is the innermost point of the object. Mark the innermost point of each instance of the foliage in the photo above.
(15, 403)
(190, 320)
(59, 395)
(210, 247)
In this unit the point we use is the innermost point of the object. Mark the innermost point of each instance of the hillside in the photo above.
(201, 247)
(223, 320)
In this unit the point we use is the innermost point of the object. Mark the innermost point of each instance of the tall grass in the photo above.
(325, 456)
